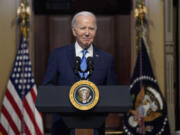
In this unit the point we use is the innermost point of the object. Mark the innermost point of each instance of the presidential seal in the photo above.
(84, 95)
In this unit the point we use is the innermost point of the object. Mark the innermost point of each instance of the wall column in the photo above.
(169, 62)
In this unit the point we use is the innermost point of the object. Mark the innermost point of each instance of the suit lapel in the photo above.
(96, 60)
(71, 58)
(71, 55)
(96, 56)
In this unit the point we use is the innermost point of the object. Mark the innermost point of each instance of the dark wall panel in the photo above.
(59, 31)
(123, 49)
(105, 38)
(41, 39)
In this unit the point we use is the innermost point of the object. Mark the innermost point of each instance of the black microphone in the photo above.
(90, 65)
(77, 63)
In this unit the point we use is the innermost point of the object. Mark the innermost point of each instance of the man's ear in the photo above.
(74, 31)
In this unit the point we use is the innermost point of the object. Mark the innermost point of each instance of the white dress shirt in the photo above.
(79, 53)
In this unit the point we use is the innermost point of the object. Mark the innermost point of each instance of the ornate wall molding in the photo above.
(169, 62)
(168, 12)
(178, 100)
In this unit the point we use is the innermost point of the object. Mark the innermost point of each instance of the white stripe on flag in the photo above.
(5, 125)
(14, 94)
(39, 121)
(29, 123)
(37, 116)
(12, 113)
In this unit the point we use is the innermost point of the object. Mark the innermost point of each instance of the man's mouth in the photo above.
(86, 39)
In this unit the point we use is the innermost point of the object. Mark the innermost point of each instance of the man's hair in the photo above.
(83, 13)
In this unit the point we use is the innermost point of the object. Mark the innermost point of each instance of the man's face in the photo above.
(84, 30)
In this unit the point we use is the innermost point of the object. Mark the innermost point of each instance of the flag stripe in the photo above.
(11, 122)
(13, 114)
(31, 115)
(37, 115)
(10, 131)
(15, 106)
(2, 130)
(35, 90)
(4, 127)
(13, 92)
(30, 100)
(28, 124)
(38, 120)
(27, 131)
(34, 94)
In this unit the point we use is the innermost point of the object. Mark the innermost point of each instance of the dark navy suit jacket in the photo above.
(60, 72)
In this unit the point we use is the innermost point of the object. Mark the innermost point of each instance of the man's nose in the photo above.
(87, 32)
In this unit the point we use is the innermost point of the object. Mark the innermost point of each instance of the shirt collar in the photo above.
(78, 50)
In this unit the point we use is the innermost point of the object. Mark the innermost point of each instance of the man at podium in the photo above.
(77, 61)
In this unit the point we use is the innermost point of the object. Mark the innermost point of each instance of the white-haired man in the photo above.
(61, 63)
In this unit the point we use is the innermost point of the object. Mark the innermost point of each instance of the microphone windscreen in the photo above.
(90, 64)
(77, 60)
(90, 61)
(77, 65)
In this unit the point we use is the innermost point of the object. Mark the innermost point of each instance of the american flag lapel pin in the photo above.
(97, 55)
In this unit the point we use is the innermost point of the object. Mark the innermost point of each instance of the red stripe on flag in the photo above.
(2, 130)
(33, 94)
(27, 131)
(31, 115)
(13, 103)
(9, 119)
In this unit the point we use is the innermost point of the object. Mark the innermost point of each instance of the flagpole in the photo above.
(23, 13)
(140, 13)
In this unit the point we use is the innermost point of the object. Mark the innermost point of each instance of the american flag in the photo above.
(19, 115)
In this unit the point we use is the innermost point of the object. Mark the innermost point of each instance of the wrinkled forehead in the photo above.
(83, 18)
